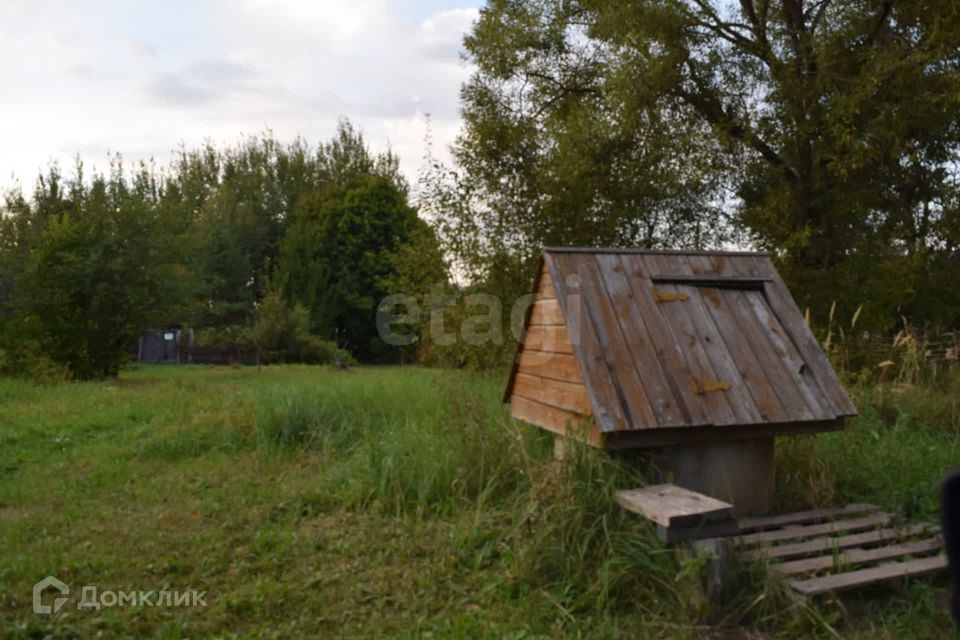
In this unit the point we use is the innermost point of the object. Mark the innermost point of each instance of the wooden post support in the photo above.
(739, 472)
(721, 553)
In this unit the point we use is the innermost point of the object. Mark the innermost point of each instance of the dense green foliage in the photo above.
(83, 270)
(396, 502)
(826, 132)
(87, 264)
(340, 246)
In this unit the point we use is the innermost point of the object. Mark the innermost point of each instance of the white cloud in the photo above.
(141, 79)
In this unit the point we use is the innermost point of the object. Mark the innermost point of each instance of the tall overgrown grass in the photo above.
(455, 454)
(915, 374)
(283, 456)
(396, 448)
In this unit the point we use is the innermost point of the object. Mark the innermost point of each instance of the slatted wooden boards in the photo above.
(829, 550)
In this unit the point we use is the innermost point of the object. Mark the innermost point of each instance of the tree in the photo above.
(337, 253)
(549, 156)
(345, 158)
(419, 274)
(826, 131)
(90, 281)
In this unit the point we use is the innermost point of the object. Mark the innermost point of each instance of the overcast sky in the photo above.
(138, 78)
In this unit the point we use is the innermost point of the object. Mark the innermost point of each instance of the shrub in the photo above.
(27, 361)
(232, 337)
(281, 334)
(310, 349)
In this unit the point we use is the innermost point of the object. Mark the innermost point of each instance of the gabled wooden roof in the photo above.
(667, 339)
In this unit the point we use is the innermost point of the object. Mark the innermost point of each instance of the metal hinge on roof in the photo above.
(668, 296)
(706, 386)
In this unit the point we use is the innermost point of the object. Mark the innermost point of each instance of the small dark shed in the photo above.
(159, 347)
(702, 357)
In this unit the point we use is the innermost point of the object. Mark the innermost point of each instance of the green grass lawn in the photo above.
(391, 502)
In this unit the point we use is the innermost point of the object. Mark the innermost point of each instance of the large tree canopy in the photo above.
(825, 131)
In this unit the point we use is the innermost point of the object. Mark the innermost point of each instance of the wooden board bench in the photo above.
(680, 514)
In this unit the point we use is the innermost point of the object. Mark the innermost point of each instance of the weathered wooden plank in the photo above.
(666, 404)
(745, 407)
(631, 391)
(787, 386)
(546, 364)
(810, 531)
(756, 266)
(546, 312)
(562, 422)
(528, 311)
(818, 370)
(873, 575)
(829, 543)
(667, 252)
(749, 525)
(671, 506)
(546, 290)
(508, 391)
(604, 397)
(719, 305)
(723, 265)
(795, 393)
(670, 265)
(553, 338)
(783, 305)
(742, 404)
(858, 556)
(682, 317)
(790, 358)
(669, 354)
(719, 408)
(562, 395)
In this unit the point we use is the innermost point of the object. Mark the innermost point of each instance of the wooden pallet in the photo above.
(827, 550)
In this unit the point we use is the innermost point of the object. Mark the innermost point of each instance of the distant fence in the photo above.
(908, 356)
(942, 347)
(217, 355)
(174, 346)
(932, 347)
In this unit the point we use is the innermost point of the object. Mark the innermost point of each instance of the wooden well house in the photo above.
(700, 358)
